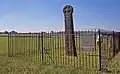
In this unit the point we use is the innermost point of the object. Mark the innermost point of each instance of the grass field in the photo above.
(29, 60)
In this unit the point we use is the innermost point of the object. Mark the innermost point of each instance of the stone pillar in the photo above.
(69, 31)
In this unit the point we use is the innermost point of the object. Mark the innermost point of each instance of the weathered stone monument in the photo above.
(69, 31)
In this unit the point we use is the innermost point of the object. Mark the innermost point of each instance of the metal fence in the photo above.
(49, 47)
(108, 48)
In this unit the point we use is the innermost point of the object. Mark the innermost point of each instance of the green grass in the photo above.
(24, 65)
(30, 57)
(3, 45)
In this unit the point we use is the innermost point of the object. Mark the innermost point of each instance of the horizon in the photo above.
(43, 15)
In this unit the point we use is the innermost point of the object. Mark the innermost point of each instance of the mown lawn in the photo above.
(3, 44)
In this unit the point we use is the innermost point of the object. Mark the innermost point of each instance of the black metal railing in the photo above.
(50, 48)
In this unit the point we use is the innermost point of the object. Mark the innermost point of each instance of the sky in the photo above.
(47, 15)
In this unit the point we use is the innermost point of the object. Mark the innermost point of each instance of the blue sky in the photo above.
(37, 15)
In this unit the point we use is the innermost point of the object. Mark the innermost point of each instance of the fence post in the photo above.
(95, 40)
(8, 46)
(99, 50)
(113, 43)
(42, 45)
(118, 42)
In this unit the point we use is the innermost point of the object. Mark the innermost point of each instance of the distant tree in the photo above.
(44, 32)
(6, 32)
(52, 32)
(60, 32)
(13, 32)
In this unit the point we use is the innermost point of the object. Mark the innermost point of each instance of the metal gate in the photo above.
(109, 47)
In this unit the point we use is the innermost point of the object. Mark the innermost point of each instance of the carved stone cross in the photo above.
(69, 31)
